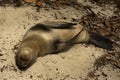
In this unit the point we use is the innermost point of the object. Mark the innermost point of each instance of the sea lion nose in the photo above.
(23, 62)
(23, 58)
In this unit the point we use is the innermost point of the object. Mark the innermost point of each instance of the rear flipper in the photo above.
(100, 41)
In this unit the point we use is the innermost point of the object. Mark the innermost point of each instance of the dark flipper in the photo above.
(48, 25)
(61, 46)
(40, 27)
(101, 41)
(59, 24)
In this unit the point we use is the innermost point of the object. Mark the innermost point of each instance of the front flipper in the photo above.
(40, 26)
(61, 46)
(48, 25)
(59, 24)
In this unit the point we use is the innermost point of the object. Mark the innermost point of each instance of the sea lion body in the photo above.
(42, 39)
(49, 37)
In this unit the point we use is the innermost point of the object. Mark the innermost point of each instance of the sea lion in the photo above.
(52, 36)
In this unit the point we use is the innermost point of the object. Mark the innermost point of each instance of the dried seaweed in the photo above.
(55, 4)
(104, 2)
(109, 27)
(10, 2)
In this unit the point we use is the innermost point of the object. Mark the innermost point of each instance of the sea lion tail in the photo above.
(101, 41)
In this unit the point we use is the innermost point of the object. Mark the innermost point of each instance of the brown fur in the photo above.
(40, 41)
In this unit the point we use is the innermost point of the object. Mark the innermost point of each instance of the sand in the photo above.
(74, 64)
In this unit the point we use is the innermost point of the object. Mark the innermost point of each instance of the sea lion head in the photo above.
(25, 57)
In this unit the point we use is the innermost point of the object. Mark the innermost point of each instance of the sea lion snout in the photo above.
(24, 57)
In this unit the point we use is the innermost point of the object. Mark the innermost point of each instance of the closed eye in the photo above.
(24, 59)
